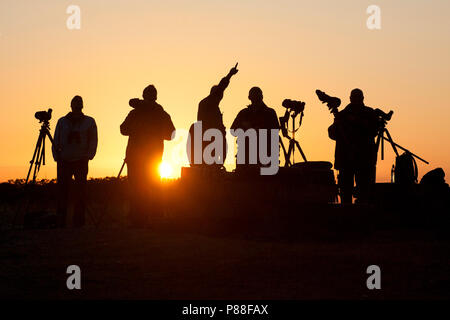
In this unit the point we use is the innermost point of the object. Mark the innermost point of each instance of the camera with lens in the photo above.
(333, 103)
(294, 105)
(43, 116)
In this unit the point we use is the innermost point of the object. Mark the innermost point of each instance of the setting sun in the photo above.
(165, 170)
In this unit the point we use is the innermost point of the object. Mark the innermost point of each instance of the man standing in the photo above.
(147, 126)
(211, 117)
(74, 144)
(354, 130)
(256, 116)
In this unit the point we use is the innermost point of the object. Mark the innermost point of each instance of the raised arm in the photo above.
(223, 84)
(232, 72)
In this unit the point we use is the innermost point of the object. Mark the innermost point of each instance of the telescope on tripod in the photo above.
(39, 151)
(383, 134)
(384, 118)
(293, 109)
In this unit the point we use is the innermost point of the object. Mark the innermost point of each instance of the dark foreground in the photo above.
(242, 246)
(120, 263)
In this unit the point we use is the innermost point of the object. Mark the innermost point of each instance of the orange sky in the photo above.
(288, 48)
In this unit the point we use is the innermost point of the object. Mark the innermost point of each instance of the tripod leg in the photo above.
(38, 159)
(392, 142)
(41, 158)
(406, 150)
(38, 142)
(49, 135)
(286, 159)
(43, 151)
(290, 151)
(301, 151)
(121, 169)
(377, 143)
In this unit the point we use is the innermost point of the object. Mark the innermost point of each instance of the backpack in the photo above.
(434, 177)
(405, 170)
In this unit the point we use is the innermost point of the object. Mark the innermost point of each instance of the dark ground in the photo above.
(315, 252)
(119, 263)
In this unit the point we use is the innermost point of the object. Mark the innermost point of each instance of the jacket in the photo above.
(75, 138)
(147, 126)
(354, 131)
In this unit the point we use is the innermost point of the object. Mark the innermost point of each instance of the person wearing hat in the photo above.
(147, 126)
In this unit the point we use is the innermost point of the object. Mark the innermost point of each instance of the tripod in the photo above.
(121, 168)
(380, 143)
(39, 150)
(293, 143)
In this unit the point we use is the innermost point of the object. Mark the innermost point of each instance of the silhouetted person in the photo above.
(75, 143)
(147, 126)
(354, 130)
(255, 116)
(210, 115)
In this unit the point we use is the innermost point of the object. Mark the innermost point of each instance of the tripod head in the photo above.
(383, 117)
(293, 109)
(44, 117)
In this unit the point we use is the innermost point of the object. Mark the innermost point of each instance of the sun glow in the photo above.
(165, 171)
